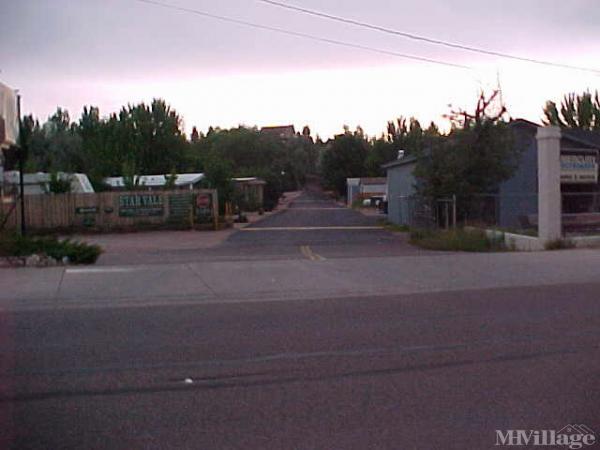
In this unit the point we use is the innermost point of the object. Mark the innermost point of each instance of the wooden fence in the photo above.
(108, 211)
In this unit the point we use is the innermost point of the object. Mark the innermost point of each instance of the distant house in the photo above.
(157, 182)
(39, 183)
(364, 188)
(280, 132)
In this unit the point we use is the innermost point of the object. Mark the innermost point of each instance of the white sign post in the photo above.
(549, 194)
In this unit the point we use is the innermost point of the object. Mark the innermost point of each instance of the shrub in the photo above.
(58, 184)
(396, 228)
(21, 246)
(456, 240)
(559, 244)
(357, 203)
(420, 234)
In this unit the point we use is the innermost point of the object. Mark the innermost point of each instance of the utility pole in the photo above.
(21, 169)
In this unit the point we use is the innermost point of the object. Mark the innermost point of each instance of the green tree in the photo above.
(131, 179)
(152, 135)
(381, 152)
(58, 184)
(171, 180)
(576, 111)
(63, 144)
(475, 157)
(195, 136)
(343, 158)
(218, 175)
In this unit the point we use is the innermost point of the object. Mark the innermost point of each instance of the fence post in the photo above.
(192, 209)
(447, 214)
(215, 197)
(454, 211)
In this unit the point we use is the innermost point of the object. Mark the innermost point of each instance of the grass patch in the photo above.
(456, 240)
(394, 227)
(14, 245)
(559, 244)
(357, 203)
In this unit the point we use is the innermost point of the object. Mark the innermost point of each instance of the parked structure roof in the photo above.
(183, 179)
(286, 131)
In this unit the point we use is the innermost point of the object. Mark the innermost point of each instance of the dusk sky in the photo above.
(108, 53)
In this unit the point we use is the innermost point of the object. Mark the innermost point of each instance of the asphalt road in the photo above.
(454, 348)
(419, 371)
(314, 220)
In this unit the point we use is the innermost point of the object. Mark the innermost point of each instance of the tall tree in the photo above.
(219, 173)
(576, 111)
(343, 158)
(195, 137)
(475, 157)
(56, 145)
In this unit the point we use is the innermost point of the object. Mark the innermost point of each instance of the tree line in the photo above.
(148, 139)
(474, 156)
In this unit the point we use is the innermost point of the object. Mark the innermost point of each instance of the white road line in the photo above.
(88, 270)
(349, 228)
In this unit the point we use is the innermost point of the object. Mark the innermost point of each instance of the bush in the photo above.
(59, 185)
(22, 246)
(455, 240)
(390, 226)
(559, 244)
(420, 234)
(397, 228)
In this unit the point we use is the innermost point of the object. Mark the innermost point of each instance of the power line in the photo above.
(302, 35)
(426, 39)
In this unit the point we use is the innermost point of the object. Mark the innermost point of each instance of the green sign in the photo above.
(141, 205)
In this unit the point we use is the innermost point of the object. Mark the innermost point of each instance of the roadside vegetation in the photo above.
(42, 248)
(395, 228)
(460, 240)
(148, 139)
(559, 244)
(473, 157)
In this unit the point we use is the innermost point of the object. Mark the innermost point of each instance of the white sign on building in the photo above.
(579, 168)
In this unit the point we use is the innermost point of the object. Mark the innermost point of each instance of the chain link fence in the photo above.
(512, 213)
(516, 213)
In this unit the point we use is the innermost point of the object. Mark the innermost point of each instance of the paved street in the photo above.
(311, 329)
(311, 220)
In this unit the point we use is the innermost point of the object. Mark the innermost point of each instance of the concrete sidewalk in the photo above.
(235, 281)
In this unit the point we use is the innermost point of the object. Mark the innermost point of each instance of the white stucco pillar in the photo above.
(549, 195)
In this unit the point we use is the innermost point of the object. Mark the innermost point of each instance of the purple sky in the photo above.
(111, 52)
